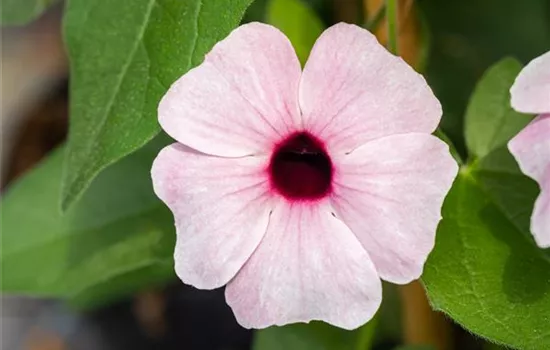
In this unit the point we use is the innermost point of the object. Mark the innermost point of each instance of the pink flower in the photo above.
(531, 147)
(301, 190)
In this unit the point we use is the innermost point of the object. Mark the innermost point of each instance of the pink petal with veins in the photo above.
(353, 90)
(309, 266)
(219, 220)
(241, 100)
(389, 192)
(302, 191)
(531, 90)
(531, 148)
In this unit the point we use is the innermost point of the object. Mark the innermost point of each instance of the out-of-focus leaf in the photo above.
(124, 55)
(490, 120)
(118, 239)
(299, 23)
(314, 336)
(256, 11)
(18, 12)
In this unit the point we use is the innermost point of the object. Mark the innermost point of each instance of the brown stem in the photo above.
(347, 11)
(422, 325)
(409, 40)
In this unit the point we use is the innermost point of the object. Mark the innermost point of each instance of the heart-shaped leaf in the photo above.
(124, 55)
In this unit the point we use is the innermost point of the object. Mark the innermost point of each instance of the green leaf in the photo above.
(299, 23)
(490, 123)
(491, 346)
(391, 17)
(443, 137)
(490, 120)
(118, 239)
(19, 12)
(486, 271)
(124, 55)
(314, 336)
(512, 192)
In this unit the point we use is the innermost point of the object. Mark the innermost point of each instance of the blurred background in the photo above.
(451, 42)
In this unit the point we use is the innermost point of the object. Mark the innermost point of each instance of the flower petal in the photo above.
(531, 148)
(540, 220)
(389, 192)
(309, 266)
(531, 90)
(353, 90)
(221, 209)
(241, 99)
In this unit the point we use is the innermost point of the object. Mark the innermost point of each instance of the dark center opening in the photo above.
(300, 168)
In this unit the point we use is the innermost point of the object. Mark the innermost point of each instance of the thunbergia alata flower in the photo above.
(301, 190)
(531, 147)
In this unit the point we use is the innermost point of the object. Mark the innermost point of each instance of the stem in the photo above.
(366, 334)
(422, 325)
(391, 17)
(373, 23)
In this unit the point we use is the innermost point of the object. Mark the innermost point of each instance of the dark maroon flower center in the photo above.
(300, 168)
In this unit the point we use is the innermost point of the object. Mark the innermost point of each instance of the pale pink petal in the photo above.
(221, 209)
(531, 90)
(309, 266)
(353, 90)
(241, 100)
(531, 148)
(540, 220)
(389, 192)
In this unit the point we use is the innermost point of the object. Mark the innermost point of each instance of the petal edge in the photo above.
(241, 99)
(390, 192)
(353, 90)
(219, 222)
(309, 266)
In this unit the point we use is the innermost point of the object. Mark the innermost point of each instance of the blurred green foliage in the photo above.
(299, 23)
(117, 240)
(468, 36)
(490, 120)
(19, 12)
(315, 336)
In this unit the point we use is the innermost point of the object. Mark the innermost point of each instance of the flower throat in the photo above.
(300, 168)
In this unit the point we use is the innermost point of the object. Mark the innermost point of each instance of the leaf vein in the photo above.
(120, 78)
(196, 38)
